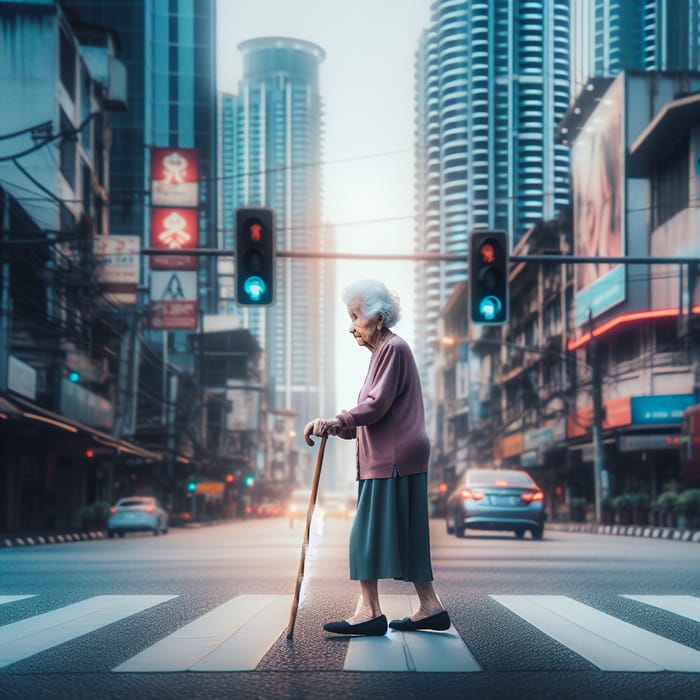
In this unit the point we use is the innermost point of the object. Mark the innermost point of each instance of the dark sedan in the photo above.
(496, 499)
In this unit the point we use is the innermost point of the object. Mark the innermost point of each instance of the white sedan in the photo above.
(135, 514)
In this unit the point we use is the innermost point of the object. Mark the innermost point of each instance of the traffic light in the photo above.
(255, 256)
(192, 485)
(488, 277)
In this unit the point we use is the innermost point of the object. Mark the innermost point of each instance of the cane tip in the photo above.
(290, 635)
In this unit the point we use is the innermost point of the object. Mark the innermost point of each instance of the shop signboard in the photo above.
(173, 304)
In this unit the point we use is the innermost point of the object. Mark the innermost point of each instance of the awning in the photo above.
(676, 119)
(20, 408)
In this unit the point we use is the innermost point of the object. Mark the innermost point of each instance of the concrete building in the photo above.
(59, 344)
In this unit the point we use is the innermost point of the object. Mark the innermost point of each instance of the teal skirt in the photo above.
(390, 536)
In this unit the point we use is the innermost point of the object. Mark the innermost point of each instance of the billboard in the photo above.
(597, 166)
(174, 229)
(173, 304)
(174, 177)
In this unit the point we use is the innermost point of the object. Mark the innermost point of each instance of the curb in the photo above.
(7, 541)
(653, 531)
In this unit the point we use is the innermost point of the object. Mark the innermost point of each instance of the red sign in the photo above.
(175, 177)
(173, 315)
(173, 304)
(174, 229)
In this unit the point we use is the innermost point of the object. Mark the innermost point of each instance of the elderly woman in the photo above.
(389, 537)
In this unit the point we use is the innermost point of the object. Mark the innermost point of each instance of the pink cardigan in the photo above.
(389, 419)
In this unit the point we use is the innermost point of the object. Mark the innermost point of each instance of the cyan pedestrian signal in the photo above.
(488, 277)
(255, 256)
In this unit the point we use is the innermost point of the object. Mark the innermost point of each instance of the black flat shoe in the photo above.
(371, 628)
(439, 622)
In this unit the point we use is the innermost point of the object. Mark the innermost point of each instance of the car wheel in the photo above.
(156, 531)
(520, 533)
(121, 533)
(450, 530)
(110, 534)
(537, 533)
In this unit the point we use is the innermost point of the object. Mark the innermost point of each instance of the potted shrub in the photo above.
(577, 510)
(607, 510)
(688, 507)
(94, 516)
(666, 507)
(641, 503)
(623, 505)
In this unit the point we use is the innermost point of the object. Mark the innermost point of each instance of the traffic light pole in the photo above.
(437, 257)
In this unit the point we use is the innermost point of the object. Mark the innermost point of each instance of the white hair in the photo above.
(375, 300)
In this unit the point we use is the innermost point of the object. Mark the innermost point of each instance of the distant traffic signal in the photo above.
(488, 277)
(255, 256)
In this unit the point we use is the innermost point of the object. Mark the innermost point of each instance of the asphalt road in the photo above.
(202, 613)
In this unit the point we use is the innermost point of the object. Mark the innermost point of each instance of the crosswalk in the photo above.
(237, 635)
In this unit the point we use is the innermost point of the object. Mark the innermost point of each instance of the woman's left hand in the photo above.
(320, 427)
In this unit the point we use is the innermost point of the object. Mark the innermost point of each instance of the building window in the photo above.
(669, 185)
(67, 151)
(67, 58)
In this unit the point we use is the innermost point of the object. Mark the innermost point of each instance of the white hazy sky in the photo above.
(367, 86)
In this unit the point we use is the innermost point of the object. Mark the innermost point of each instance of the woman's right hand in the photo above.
(320, 427)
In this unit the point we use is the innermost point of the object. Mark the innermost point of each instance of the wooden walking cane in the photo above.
(307, 529)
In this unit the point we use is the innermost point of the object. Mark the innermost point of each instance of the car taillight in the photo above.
(530, 496)
(150, 509)
(112, 510)
(468, 494)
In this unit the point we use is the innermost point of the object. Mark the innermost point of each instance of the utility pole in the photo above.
(597, 428)
(4, 293)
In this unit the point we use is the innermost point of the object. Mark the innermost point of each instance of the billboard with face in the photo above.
(598, 195)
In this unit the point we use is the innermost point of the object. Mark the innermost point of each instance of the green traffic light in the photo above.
(74, 377)
(490, 307)
(255, 288)
(249, 481)
(192, 486)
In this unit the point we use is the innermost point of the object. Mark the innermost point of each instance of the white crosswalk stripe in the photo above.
(237, 635)
(13, 598)
(409, 651)
(233, 637)
(608, 643)
(683, 605)
(25, 638)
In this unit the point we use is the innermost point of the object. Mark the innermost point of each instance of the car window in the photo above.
(489, 477)
(127, 502)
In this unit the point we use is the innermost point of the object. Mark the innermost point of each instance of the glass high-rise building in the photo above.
(169, 50)
(492, 81)
(272, 154)
(609, 36)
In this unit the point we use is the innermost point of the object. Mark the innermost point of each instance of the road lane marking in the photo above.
(12, 598)
(608, 643)
(232, 637)
(25, 638)
(683, 605)
(422, 652)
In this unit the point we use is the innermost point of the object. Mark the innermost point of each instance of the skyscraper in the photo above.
(276, 123)
(492, 81)
(609, 36)
(169, 50)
